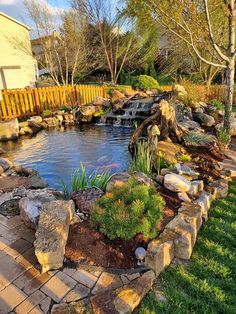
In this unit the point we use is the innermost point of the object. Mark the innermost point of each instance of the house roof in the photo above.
(13, 20)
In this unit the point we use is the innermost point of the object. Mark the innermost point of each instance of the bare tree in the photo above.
(117, 45)
(199, 22)
(60, 44)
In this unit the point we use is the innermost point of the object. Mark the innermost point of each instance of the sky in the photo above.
(16, 9)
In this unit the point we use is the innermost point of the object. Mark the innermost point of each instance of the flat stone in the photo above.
(10, 297)
(196, 187)
(193, 211)
(11, 222)
(4, 243)
(36, 182)
(10, 269)
(85, 278)
(28, 258)
(8, 184)
(80, 307)
(124, 299)
(218, 188)
(228, 165)
(28, 304)
(58, 286)
(18, 247)
(107, 282)
(23, 280)
(77, 293)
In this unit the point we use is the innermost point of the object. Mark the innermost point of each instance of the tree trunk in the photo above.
(230, 94)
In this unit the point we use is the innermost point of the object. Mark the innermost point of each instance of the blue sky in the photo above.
(16, 9)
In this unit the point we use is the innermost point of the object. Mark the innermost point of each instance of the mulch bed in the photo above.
(89, 246)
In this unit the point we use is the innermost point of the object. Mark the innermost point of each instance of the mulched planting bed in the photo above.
(10, 208)
(86, 245)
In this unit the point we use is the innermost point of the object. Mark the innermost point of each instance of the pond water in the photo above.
(56, 153)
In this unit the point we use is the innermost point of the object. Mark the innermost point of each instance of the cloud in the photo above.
(17, 10)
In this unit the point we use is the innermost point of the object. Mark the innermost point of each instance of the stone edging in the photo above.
(177, 240)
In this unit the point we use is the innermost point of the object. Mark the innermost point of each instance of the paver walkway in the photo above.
(23, 289)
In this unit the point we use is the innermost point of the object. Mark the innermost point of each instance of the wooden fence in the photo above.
(204, 93)
(28, 102)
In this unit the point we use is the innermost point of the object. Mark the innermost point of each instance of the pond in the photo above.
(56, 153)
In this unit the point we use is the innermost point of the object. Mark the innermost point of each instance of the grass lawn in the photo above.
(208, 283)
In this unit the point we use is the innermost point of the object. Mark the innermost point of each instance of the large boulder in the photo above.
(170, 151)
(36, 182)
(119, 179)
(176, 183)
(204, 119)
(52, 233)
(9, 130)
(31, 206)
(86, 198)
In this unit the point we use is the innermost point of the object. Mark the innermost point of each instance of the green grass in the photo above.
(208, 283)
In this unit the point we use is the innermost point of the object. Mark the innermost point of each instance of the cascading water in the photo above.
(136, 111)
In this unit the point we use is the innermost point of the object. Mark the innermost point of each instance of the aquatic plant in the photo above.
(142, 160)
(129, 209)
(223, 137)
(80, 180)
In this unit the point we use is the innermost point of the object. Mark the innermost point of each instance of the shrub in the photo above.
(142, 160)
(218, 104)
(128, 210)
(66, 108)
(80, 180)
(194, 138)
(184, 157)
(46, 113)
(223, 137)
(145, 82)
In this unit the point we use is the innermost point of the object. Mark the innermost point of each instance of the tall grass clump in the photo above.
(80, 180)
(142, 160)
(223, 137)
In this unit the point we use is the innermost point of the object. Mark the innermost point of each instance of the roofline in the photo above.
(12, 19)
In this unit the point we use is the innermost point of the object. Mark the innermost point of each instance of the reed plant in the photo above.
(142, 160)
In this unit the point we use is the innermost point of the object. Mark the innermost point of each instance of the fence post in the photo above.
(36, 101)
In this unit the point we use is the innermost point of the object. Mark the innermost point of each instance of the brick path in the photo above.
(23, 289)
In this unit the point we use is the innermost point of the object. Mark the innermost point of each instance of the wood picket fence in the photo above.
(19, 103)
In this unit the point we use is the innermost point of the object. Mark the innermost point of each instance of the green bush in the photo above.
(66, 108)
(145, 82)
(128, 210)
(47, 113)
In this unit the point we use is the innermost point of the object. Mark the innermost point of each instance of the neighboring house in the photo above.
(18, 67)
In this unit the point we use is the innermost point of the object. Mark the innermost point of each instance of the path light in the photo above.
(140, 254)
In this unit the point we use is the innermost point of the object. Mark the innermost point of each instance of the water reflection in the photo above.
(56, 153)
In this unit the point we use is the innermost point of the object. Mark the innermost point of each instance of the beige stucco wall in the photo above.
(15, 50)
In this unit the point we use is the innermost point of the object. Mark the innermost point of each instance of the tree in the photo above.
(116, 44)
(61, 38)
(200, 22)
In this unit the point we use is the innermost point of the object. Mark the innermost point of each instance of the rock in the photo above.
(125, 299)
(31, 206)
(117, 95)
(23, 124)
(190, 125)
(5, 163)
(155, 108)
(170, 151)
(196, 187)
(204, 201)
(182, 112)
(119, 179)
(35, 127)
(26, 131)
(86, 198)
(176, 183)
(183, 169)
(100, 101)
(8, 184)
(51, 122)
(183, 196)
(79, 307)
(9, 130)
(204, 119)
(160, 253)
(52, 233)
(193, 211)
(1, 170)
(35, 119)
(179, 90)
(159, 179)
(218, 188)
(36, 182)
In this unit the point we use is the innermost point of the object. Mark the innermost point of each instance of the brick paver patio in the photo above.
(23, 289)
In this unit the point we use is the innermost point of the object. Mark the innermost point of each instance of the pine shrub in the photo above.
(128, 210)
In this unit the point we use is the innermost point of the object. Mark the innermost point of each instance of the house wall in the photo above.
(15, 50)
